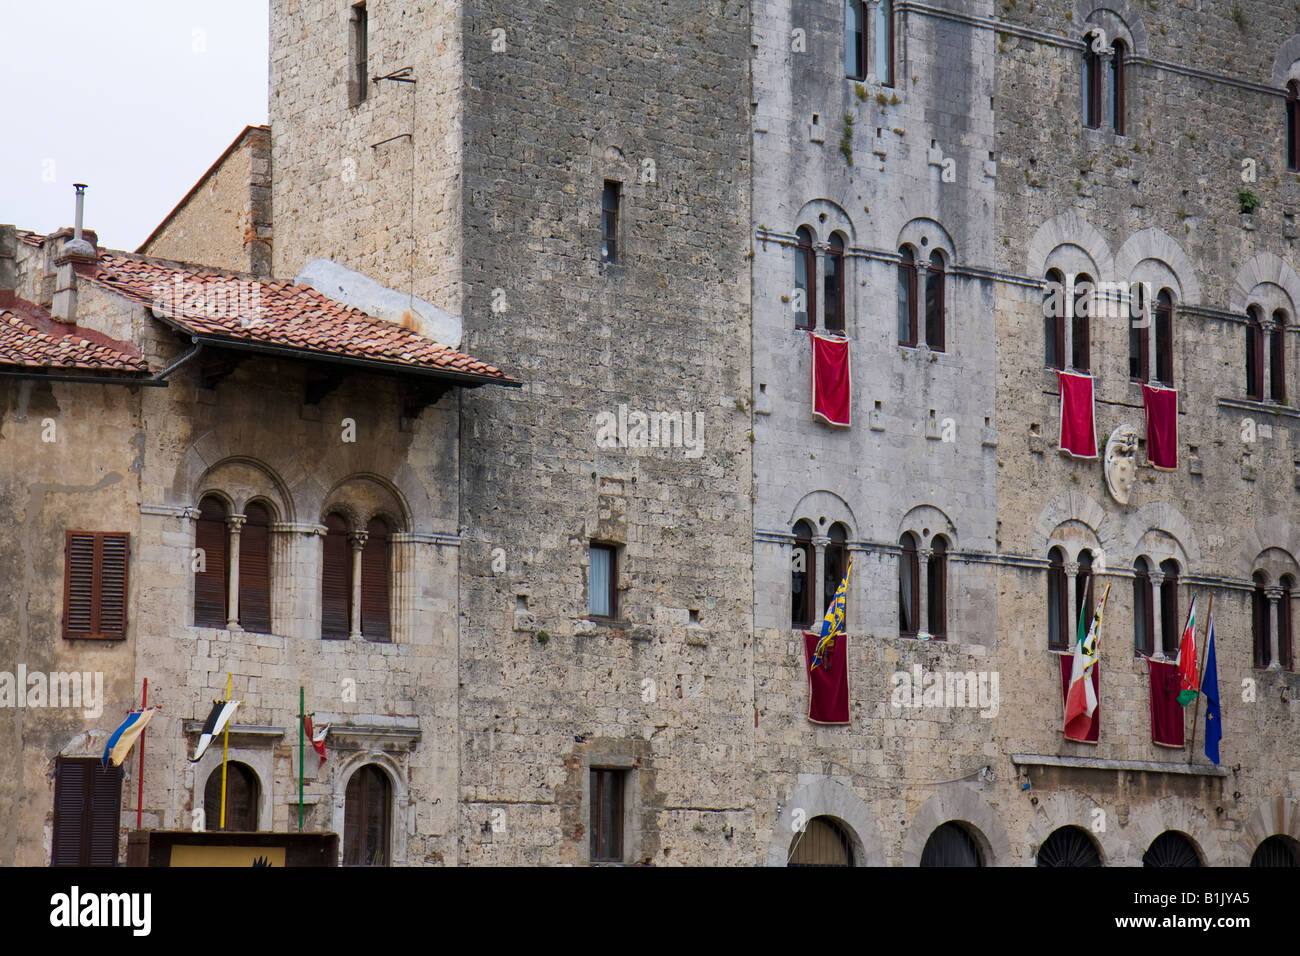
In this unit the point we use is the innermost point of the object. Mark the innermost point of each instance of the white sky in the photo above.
(135, 98)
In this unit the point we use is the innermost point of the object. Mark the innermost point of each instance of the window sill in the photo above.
(1261, 406)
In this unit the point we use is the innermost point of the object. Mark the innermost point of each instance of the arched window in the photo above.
(1277, 851)
(1054, 320)
(836, 559)
(255, 569)
(336, 579)
(1091, 82)
(1083, 606)
(1171, 849)
(801, 575)
(936, 573)
(907, 296)
(1284, 645)
(374, 582)
(1117, 86)
(834, 283)
(1143, 609)
(1069, 846)
(1081, 356)
(934, 302)
(211, 582)
(909, 587)
(822, 842)
(1058, 602)
(1277, 359)
(1293, 125)
(241, 798)
(855, 40)
(885, 42)
(366, 814)
(1260, 623)
(1139, 367)
(1254, 353)
(1165, 337)
(1170, 622)
(951, 845)
(805, 280)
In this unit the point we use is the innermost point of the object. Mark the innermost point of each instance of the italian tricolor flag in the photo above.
(1081, 701)
(1190, 680)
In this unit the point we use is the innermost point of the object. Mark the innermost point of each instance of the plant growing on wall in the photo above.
(1248, 201)
(846, 139)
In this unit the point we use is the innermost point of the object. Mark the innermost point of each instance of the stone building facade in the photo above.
(643, 211)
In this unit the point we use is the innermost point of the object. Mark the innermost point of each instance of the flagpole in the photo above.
(139, 799)
(225, 752)
(302, 706)
(1200, 674)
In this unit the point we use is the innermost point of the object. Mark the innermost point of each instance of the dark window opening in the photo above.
(1117, 86)
(255, 570)
(609, 203)
(1143, 608)
(855, 40)
(366, 818)
(1058, 602)
(801, 577)
(607, 815)
(1165, 337)
(241, 798)
(87, 813)
(1293, 125)
(1254, 353)
(907, 297)
(934, 302)
(909, 587)
(1091, 82)
(834, 282)
(1277, 359)
(836, 556)
(375, 564)
(1054, 320)
(1081, 353)
(602, 582)
(1260, 622)
(951, 845)
(1170, 624)
(937, 588)
(1069, 846)
(212, 581)
(1171, 849)
(336, 579)
(1284, 645)
(805, 280)
(358, 40)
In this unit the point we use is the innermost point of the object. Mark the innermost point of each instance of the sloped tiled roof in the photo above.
(251, 311)
(30, 339)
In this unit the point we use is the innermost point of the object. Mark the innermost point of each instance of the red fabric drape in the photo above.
(1162, 426)
(1078, 424)
(828, 685)
(1067, 669)
(830, 379)
(1166, 712)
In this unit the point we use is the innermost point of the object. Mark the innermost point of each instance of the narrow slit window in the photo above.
(1277, 359)
(1091, 82)
(1058, 604)
(1293, 125)
(1054, 320)
(805, 280)
(1139, 324)
(885, 42)
(1117, 86)
(1165, 337)
(855, 40)
(907, 297)
(909, 587)
(834, 306)
(602, 582)
(1081, 352)
(934, 302)
(1254, 353)
(358, 55)
(609, 210)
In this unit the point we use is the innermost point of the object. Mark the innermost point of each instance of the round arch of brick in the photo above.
(1070, 808)
(1278, 816)
(1287, 64)
(1076, 506)
(1172, 813)
(1264, 268)
(958, 804)
(825, 797)
(1153, 243)
(1117, 18)
(396, 774)
(1069, 229)
(837, 220)
(821, 504)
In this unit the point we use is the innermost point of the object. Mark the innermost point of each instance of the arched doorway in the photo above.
(1069, 846)
(242, 795)
(823, 842)
(1171, 849)
(951, 844)
(366, 813)
(1277, 851)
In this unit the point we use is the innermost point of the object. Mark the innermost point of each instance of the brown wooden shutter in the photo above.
(352, 817)
(79, 584)
(210, 583)
(87, 813)
(336, 579)
(94, 585)
(255, 570)
(374, 583)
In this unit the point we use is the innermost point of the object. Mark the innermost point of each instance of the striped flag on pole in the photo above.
(123, 739)
(222, 712)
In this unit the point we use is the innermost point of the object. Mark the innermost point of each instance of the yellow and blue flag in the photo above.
(833, 622)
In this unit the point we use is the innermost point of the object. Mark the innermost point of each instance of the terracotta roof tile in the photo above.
(264, 312)
(30, 339)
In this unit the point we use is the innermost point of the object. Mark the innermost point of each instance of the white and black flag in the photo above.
(222, 712)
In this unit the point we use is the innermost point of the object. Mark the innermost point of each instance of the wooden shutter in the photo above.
(87, 813)
(94, 584)
(210, 584)
(352, 821)
(336, 579)
(255, 570)
(374, 583)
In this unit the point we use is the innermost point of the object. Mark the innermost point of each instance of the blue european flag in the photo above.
(1213, 713)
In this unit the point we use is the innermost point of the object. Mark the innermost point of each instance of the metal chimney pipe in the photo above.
(81, 202)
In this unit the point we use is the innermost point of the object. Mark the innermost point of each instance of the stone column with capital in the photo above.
(923, 556)
(234, 523)
(1157, 615)
(816, 579)
(358, 541)
(1273, 633)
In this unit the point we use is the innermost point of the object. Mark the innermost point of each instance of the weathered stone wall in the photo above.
(651, 95)
(225, 222)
